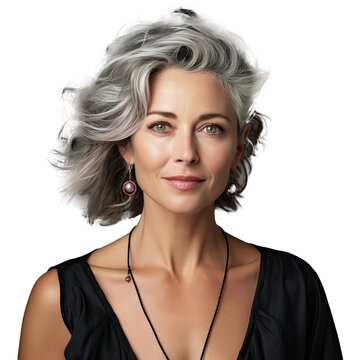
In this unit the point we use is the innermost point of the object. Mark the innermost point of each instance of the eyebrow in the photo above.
(201, 117)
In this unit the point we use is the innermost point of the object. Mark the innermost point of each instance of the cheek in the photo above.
(218, 158)
(150, 156)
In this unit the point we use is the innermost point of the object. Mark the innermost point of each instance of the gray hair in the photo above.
(110, 108)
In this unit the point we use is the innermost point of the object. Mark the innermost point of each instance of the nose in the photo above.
(184, 147)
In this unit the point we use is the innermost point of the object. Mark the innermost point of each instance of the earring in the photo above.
(129, 187)
(231, 187)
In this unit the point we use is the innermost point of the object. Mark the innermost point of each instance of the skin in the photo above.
(177, 252)
(188, 235)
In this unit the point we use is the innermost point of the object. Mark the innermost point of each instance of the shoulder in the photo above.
(285, 272)
(293, 297)
(43, 332)
(111, 256)
(276, 266)
(284, 261)
(46, 289)
(241, 252)
(71, 261)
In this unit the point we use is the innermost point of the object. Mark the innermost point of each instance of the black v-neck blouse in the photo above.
(290, 317)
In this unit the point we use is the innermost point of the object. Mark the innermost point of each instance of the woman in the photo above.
(166, 130)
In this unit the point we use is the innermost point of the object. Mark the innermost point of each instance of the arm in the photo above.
(44, 335)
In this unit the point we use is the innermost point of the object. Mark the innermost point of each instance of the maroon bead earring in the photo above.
(129, 187)
(231, 187)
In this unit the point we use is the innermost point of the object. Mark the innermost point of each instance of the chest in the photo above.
(181, 314)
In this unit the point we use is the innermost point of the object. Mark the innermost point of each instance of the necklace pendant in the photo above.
(128, 277)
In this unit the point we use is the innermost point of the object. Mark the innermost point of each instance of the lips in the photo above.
(184, 182)
(184, 178)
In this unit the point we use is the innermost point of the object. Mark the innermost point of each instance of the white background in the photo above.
(302, 196)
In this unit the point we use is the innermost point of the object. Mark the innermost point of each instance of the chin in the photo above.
(186, 206)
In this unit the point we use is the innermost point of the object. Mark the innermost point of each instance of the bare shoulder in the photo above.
(43, 334)
(242, 253)
(46, 288)
(111, 256)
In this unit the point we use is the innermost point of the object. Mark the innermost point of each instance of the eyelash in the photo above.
(161, 122)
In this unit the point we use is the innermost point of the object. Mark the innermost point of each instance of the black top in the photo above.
(290, 317)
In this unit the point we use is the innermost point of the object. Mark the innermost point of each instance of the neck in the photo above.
(181, 244)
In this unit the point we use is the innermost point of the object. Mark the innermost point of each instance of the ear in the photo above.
(126, 151)
(240, 148)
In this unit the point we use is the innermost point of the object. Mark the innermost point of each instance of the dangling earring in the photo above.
(129, 187)
(231, 187)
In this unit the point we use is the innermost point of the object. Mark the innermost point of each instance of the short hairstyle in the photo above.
(112, 106)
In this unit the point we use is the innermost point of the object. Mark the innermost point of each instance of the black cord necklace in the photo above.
(127, 278)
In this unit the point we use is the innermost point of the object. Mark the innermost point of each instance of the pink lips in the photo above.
(184, 182)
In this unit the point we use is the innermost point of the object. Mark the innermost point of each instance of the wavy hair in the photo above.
(112, 106)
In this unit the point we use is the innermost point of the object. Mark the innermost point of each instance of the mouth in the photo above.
(184, 182)
(184, 178)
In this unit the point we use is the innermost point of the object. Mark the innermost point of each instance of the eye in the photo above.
(212, 129)
(158, 126)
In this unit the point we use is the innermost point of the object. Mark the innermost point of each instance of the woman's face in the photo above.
(190, 129)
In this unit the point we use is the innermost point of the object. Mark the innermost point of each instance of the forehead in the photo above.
(177, 87)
